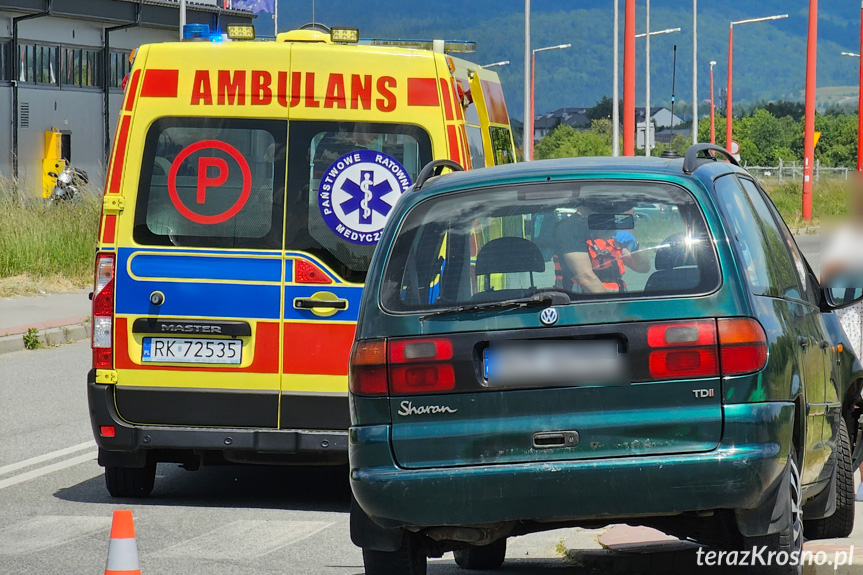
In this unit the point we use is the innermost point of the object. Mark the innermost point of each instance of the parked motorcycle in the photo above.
(66, 187)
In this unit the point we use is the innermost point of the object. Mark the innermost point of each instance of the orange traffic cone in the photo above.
(122, 551)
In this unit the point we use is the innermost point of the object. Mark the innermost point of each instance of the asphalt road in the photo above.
(810, 245)
(55, 512)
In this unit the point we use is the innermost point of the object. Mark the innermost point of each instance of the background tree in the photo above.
(602, 109)
(566, 142)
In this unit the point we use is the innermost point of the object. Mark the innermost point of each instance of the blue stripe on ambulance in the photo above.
(211, 267)
(201, 298)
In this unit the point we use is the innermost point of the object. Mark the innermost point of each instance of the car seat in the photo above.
(676, 266)
(505, 256)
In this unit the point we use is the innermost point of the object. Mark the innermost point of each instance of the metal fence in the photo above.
(794, 171)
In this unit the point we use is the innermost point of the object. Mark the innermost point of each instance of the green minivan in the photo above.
(537, 350)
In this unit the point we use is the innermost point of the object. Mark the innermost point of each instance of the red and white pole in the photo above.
(532, 86)
(728, 101)
(712, 109)
(809, 130)
(629, 80)
(860, 101)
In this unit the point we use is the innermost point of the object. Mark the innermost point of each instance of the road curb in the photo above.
(49, 337)
(806, 231)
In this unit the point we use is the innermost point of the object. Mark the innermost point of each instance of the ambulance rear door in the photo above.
(200, 261)
(363, 122)
(486, 94)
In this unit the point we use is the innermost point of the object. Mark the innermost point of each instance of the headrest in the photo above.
(509, 255)
(676, 254)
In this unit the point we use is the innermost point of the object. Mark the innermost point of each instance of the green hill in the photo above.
(769, 58)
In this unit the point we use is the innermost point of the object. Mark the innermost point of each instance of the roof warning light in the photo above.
(345, 35)
(196, 32)
(241, 32)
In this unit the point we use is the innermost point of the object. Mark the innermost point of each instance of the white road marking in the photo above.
(40, 533)
(241, 540)
(46, 457)
(40, 471)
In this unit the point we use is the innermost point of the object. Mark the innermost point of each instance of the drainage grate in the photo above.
(24, 115)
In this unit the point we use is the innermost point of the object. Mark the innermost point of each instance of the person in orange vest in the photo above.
(595, 261)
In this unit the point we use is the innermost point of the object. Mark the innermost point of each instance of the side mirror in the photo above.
(839, 297)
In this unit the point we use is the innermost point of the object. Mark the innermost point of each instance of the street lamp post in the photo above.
(859, 97)
(695, 72)
(859, 108)
(728, 99)
(629, 79)
(647, 36)
(182, 17)
(809, 124)
(647, 80)
(712, 106)
(493, 64)
(532, 81)
(527, 137)
(615, 108)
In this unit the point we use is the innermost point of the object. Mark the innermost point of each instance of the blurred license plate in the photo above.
(535, 363)
(181, 350)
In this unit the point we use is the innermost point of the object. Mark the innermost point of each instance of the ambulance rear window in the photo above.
(501, 143)
(212, 182)
(343, 180)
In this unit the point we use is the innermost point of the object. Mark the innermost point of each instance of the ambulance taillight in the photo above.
(103, 313)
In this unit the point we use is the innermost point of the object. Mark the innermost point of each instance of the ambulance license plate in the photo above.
(180, 350)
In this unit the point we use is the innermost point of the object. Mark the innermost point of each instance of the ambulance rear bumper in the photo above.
(130, 444)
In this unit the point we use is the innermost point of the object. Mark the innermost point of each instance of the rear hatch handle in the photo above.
(552, 439)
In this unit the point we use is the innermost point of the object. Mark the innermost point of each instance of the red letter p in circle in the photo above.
(204, 179)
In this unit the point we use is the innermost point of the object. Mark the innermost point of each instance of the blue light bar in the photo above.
(196, 32)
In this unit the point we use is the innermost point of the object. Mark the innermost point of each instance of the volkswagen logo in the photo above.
(548, 316)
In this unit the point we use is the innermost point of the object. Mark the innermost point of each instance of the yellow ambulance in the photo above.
(248, 185)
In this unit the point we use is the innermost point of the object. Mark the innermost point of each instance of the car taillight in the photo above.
(682, 350)
(103, 313)
(368, 368)
(706, 348)
(402, 367)
(742, 346)
(419, 366)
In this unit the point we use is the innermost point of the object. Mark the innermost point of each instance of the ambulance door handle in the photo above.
(309, 303)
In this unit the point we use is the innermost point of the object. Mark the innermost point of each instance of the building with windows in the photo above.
(62, 70)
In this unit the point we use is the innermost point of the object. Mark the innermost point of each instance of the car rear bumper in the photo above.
(131, 441)
(738, 474)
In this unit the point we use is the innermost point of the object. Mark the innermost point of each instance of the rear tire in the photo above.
(482, 557)
(130, 481)
(409, 560)
(790, 539)
(841, 523)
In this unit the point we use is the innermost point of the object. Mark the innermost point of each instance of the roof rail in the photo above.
(690, 161)
(435, 168)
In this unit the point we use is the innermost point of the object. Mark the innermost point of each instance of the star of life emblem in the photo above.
(357, 194)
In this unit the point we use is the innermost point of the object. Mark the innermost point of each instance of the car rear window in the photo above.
(589, 239)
